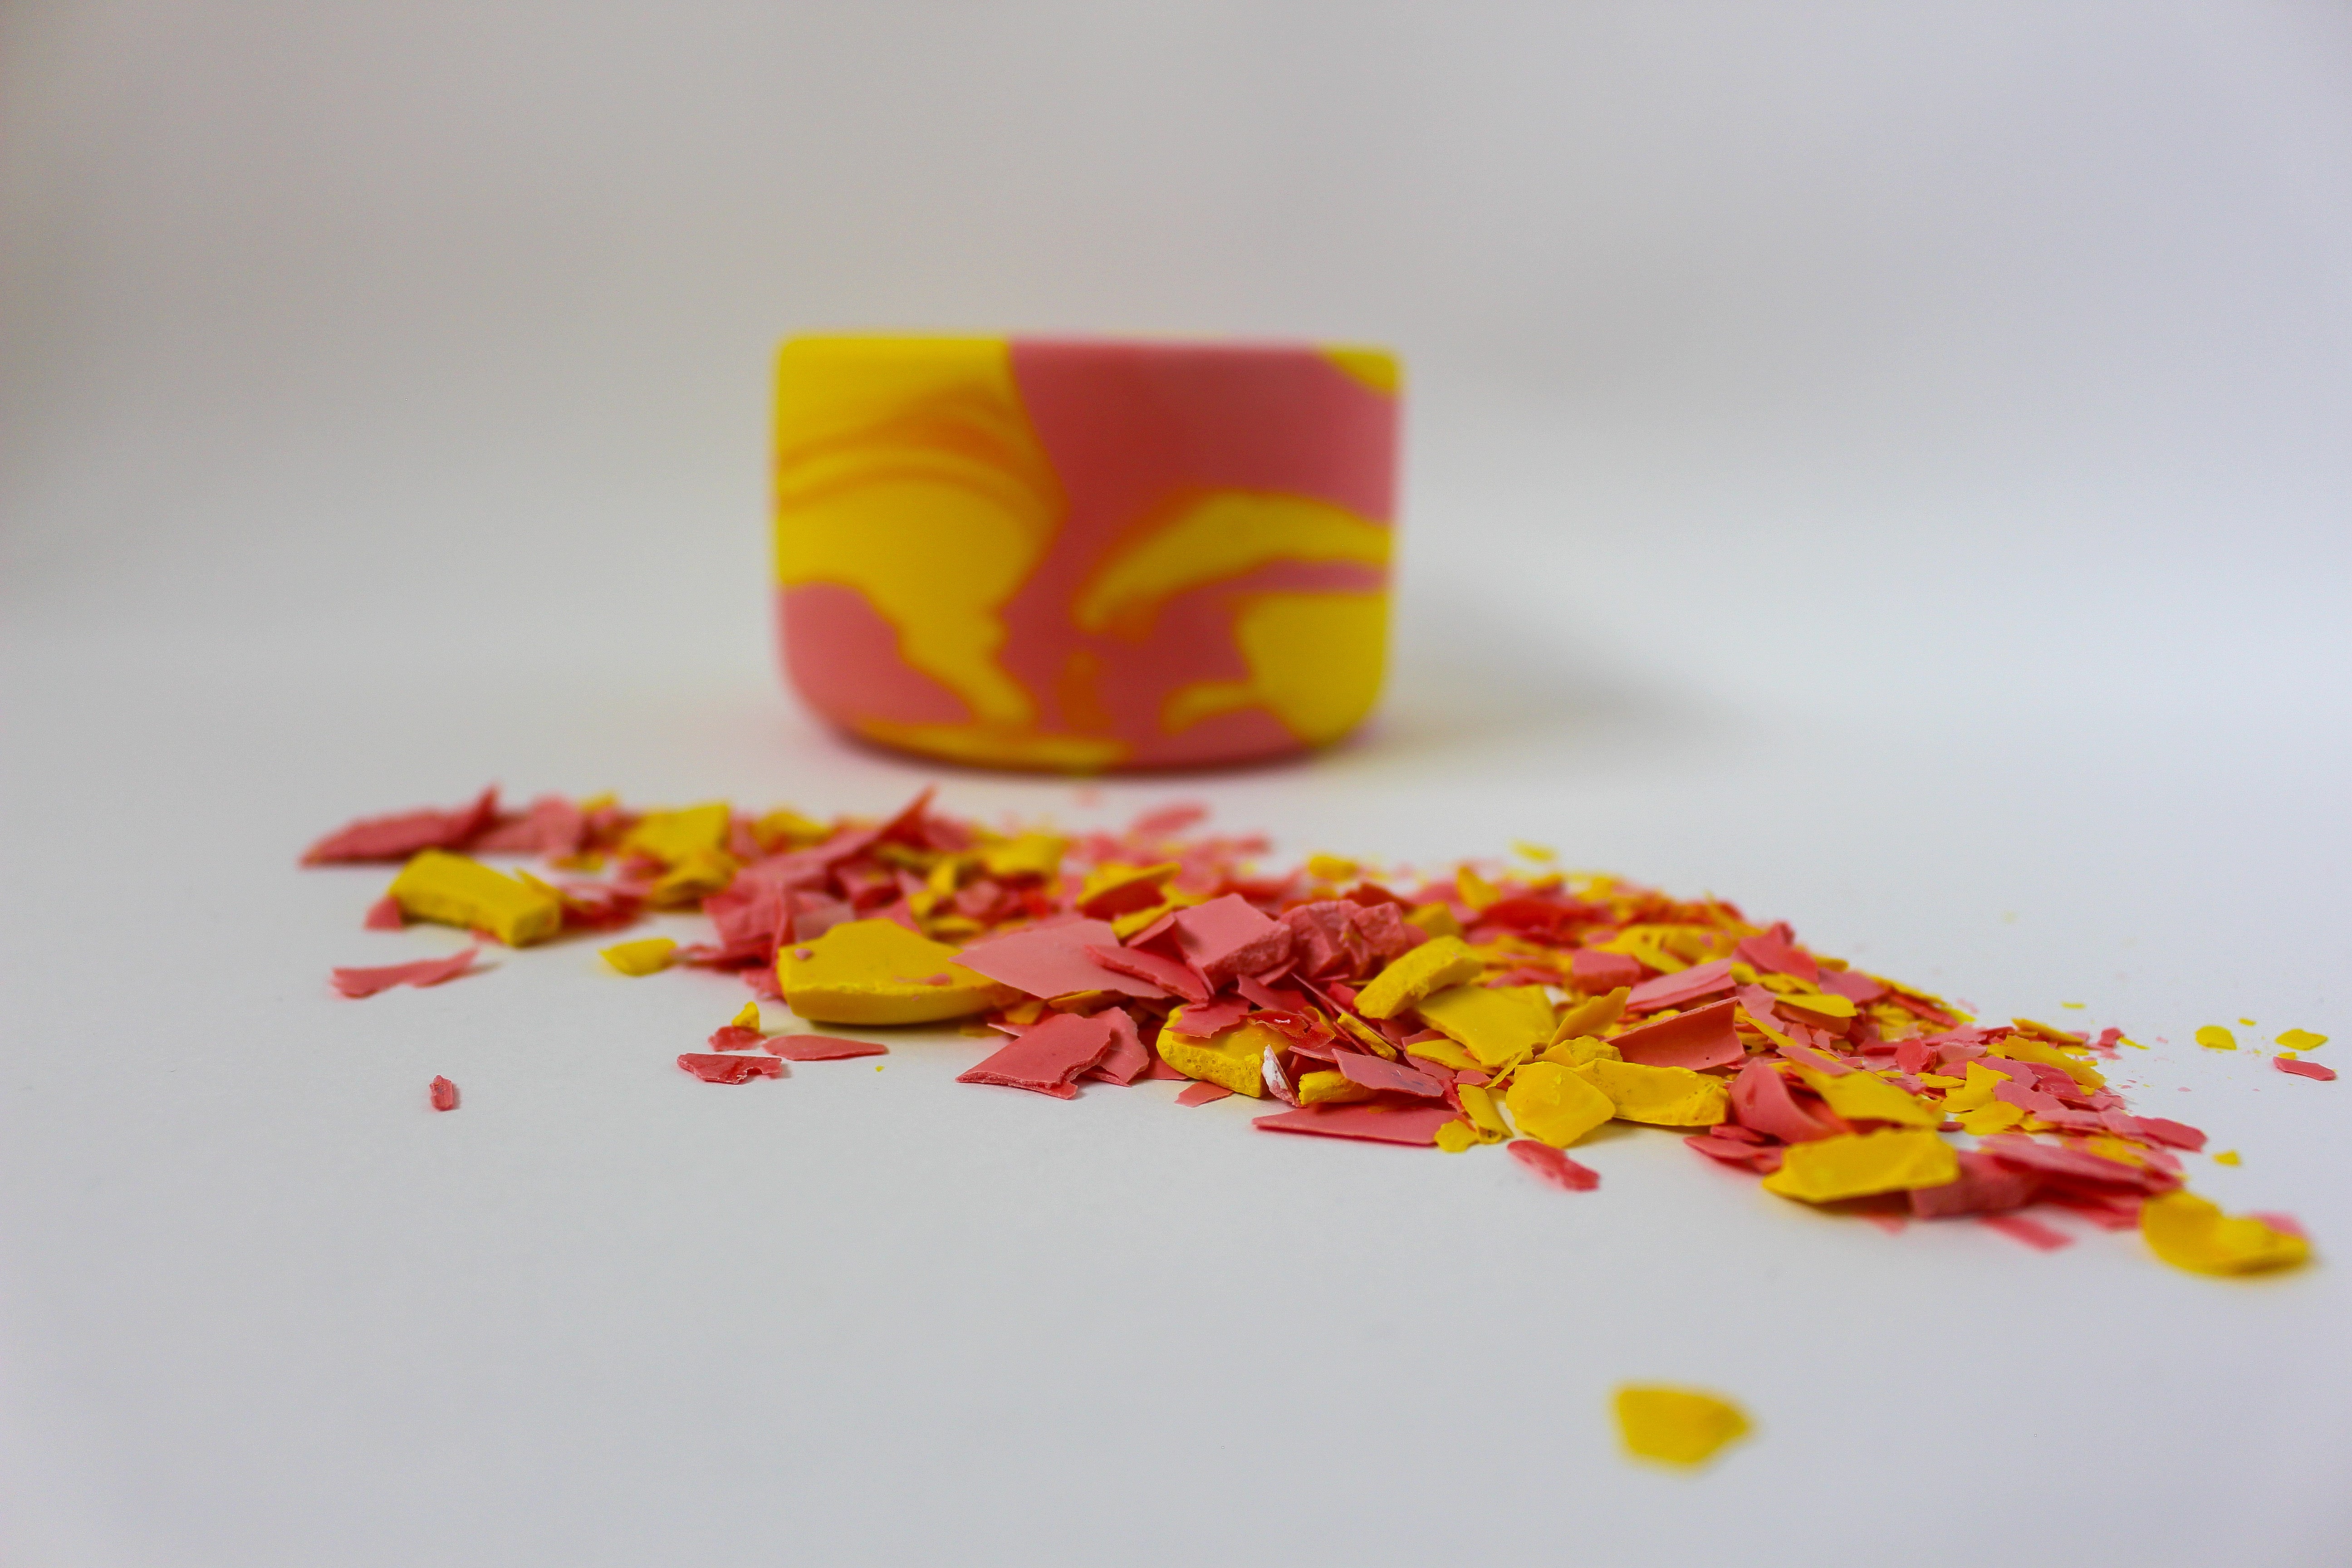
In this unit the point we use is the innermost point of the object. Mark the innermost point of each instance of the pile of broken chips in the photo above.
(1525, 1007)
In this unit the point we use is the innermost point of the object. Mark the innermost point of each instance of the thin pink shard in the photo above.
(1371, 1072)
(1699, 985)
(442, 1094)
(1128, 1059)
(820, 1048)
(1983, 1186)
(398, 836)
(1176, 979)
(1552, 1167)
(2033, 1232)
(2302, 1068)
(424, 971)
(1413, 1124)
(1697, 1040)
(1598, 972)
(1775, 950)
(733, 1037)
(1199, 1023)
(1054, 961)
(1049, 1058)
(384, 915)
(1204, 1094)
(712, 1069)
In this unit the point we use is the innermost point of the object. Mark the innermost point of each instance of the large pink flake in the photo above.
(1697, 1040)
(1049, 1058)
(1708, 979)
(1226, 937)
(1376, 1124)
(398, 837)
(1054, 961)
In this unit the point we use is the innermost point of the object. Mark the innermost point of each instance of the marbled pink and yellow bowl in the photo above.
(1082, 555)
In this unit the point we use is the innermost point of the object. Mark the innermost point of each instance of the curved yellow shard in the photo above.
(1315, 661)
(1221, 536)
(1676, 1425)
(906, 469)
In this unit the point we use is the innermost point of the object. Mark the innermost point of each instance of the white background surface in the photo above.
(1887, 469)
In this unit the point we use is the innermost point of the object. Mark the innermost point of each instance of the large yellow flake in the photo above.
(1661, 1097)
(1492, 1023)
(2189, 1233)
(1857, 1164)
(454, 890)
(1553, 1104)
(1234, 1058)
(1676, 1425)
(1592, 1014)
(1864, 1096)
(878, 972)
(671, 836)
(1440, 962)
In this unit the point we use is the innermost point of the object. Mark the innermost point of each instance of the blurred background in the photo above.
(1956, 356)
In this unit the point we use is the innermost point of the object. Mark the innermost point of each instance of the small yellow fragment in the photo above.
(1676, 1425)
(1235, 1058)
(1985, 1120)
(878, 972)
(1440, 962)
(1542, 854)
(2301, 1040)
(1582, 1051)
(1976, 1092)
(1592, 1014)
(693, 875)
(1862, 1096)
(1330, 1088)
(1457, 1136)
(670, 837)
(2247, 1022)
(2227, 1157)
(1938, 1080)
(454, 890)
(1434, 919)
(788, 829)
(1476, 890)
(649, 955)
(749, 1018)
(1024, 855)
(1552, 1104)
(2214, 1037)
(1855, 1164)
(1330, 868)
(1491, 1022)
(1661, 1097)
(1444, 1053)
(2189, 1233)
(1484, 1115)
(2018, 1049)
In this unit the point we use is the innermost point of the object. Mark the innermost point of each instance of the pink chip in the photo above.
(1204, 1094)
(1127, 1061)
(712, 1069)
(1697, 1040)
(1681, 990)
(1371, 1072)
(442, 1094)
(1049, 1058)
(396, 837)
(1760, 1099)
(1859, 989)
(384, 915)
(1983, 1186)
(733, 1037)
(1553, 1167)
(1375, 1123)
(1775, 950)
(1596, 972)
(1199, 1023)
(1226, 937)
(2302, 1068)
(1177, 979)
(1054, 961)
(820, 1048)
(424, 971)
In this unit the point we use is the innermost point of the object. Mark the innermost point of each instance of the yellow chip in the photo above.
(1555, 1106)
(1661, 1097)
(2301, 1040)
(670, 836)
(649, 955)
(1864, 1096)
(1676, 1425)
(878, 972)
(1440, 962)
(453, 891)
(2214, 1037)
(1857, 1164)
(1234, 1057)
(1492, 1023)
(2189, 1233)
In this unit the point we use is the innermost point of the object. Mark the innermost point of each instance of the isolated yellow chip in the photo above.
(1676, 1425)
(2301, 1041)
(1440, 962)
(649, 955)
(1491, 1023)
(2189, 1233)
(2214, 1037)
(878, 972)
(1552, 1104)
(1855, 1164)
(1661, 1097)
(453, 891)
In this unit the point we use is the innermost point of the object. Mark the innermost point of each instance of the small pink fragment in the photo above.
(730, 1070)
(2302, 1068)
(1775, 950)
(1553, 1167)
(1204, 1094)
(1226, 937)
(1983, 1186)
(820, 1048)
(1177, 979)
(1762, 1157)
(2155, 1129)
(424, 971)
(1708, 980)
(384, 915)
(1761, 1098)
(733, 1037)
(398, 837)
(443, 1094)
(1048, 1058)
(1127, 1061)
(1371, 1072)
(1199, 1023)
(1697, 1040)
(1597, 972)
(1375, 1123)
(2033, 1232)
(1859, 989)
